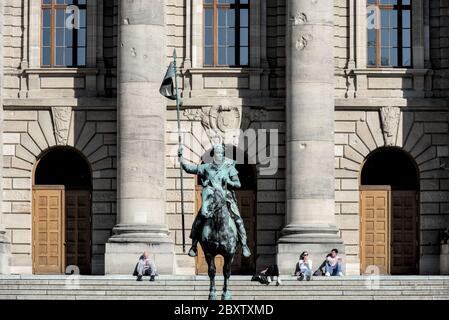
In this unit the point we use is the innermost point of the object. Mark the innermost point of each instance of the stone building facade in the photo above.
(362, 152)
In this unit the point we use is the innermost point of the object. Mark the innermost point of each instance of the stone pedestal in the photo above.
(444, 259)
(310, 224)
(5, 253)
(130, 241)
(318, 242)
(141, 141)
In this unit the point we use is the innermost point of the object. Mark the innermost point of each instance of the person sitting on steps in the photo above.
(267, 275)
(304, 267)
(333, 264)
(145, 266)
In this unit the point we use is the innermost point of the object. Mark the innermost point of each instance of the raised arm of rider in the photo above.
(189, 168)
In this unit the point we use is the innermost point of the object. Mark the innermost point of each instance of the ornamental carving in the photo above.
(223, 123)
(61, 123)
(302, 43)
(299, 18)
(224, 118)
(390, 117)
(216, 118)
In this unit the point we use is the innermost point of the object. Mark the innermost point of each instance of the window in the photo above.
(63, 34)
(389, 33)
(226, 32)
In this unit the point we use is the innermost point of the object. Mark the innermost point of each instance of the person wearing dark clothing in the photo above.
(267, 275)
(321, 271)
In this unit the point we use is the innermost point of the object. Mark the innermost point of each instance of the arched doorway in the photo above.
(62, 217)
(389, 213)
(246, 198)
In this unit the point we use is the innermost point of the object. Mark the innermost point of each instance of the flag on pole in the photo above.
(168, 88)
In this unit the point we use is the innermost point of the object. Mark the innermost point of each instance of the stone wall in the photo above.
(276, 55)
(110, 43)
(175, 19)
(12, 42)
(439, 43)
(423, 135)
(341, 38)
(29, 133)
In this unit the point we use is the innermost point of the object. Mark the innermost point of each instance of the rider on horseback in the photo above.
(215, 176)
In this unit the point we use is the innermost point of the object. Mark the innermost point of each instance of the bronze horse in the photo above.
(219, 237)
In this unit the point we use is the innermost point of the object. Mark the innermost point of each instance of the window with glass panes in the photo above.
(226, 32)
(63, 34)
(389, 37)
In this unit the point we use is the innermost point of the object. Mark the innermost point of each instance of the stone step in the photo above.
(234, 297)
(185, 285)
(138, 290)
(197, 288)
(219, 277)
(242, 293)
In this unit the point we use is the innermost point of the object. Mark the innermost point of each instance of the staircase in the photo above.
(197, 288)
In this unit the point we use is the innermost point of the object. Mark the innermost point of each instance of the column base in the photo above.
(5, 254)
(129, 242)
(317, 241)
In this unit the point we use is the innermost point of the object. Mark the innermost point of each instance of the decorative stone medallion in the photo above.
(224, 118)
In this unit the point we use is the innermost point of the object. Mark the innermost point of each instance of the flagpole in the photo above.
(180, 141)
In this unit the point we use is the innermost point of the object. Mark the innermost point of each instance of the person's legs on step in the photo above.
(329, 270)
(338, 271)
(140, 269)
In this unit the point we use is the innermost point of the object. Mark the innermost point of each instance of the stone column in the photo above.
(5, 253)
(141, 191)
(310, 224)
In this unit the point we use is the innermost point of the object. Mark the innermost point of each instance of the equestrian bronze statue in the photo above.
(218, 226)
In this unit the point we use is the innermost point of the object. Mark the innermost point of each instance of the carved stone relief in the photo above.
(225, 122)
(299, 18)
(61, 123)
(390, 117)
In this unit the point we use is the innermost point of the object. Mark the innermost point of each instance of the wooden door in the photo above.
(404, 232)
(241, 265)
(246, 203)
(48, 230)
(78, 229)
(375, 229)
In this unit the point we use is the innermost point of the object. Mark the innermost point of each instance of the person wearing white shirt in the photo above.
(304, 267)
